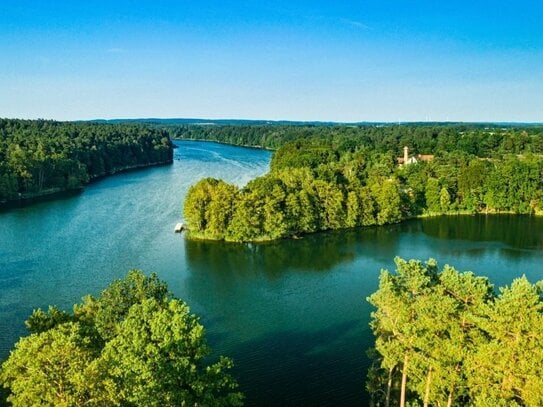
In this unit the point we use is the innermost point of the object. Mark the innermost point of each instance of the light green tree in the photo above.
(454, 341)
(157, 359)
(396, 322)
(386, 193)
(275, 222)
(247, 221)
(132, 345)
(196, 205)
(51, 368)
(353, 210)
(220, 210)
(432, 195)
(444, 200)
(367, 207)
(508, 368)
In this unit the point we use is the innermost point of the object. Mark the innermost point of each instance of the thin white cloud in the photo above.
(354, 23)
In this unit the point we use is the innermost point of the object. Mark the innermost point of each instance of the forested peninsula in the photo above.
(43, 157)
(336, 177)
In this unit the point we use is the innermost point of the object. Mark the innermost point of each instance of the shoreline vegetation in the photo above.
(196, 236)
(537, 212)
(59, 193)
(333, 178)
(255, 146)
(42, 159)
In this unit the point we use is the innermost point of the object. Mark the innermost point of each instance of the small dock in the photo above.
(179, 228)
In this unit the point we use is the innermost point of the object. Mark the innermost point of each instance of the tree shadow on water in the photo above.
(516, 231)
(294, 368)
(318, 252)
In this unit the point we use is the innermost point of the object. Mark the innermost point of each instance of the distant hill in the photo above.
(245, 122)
(185, 121)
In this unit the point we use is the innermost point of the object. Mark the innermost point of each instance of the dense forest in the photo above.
(39, 157)
(481, 140)
(133, 345)
(349, 179)
(446, 338)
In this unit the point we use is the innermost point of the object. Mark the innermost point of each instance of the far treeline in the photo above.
(40, 157)
(346, 177)
(446, 338)
(482, 140)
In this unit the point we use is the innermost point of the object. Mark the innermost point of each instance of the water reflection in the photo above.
(318, 360)
(293, 313)
(473, 237)
(522, 232)
(317, 252)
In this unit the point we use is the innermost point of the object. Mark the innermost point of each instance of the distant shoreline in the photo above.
(255, 147)
(52, 194)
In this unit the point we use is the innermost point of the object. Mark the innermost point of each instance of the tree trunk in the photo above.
(450, 399)
(404, 381)
(427, 391)
(389, 387)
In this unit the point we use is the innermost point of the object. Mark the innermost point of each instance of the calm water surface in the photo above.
(292, 314)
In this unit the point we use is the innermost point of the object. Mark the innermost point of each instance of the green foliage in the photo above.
(157, 360)
(50, 368)
(340, 178)
(41, 321)
(509, 366)
(515, 185)
(39, 157)
(303, 153)
(106, 312)
(482, 140)
(332, 177)
(134, 345)
(454, 341)
(471, 181)
(432, 195)
(388, 201)
(290, 202)
(444, 200)
(209, 206)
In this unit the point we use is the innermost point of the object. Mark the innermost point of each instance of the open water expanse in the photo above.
(292, 314)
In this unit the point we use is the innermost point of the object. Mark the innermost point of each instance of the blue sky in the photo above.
(297, 60)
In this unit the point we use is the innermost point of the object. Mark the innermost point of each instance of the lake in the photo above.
(292, 314)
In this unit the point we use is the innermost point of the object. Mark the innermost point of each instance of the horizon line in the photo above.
(194, 120)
